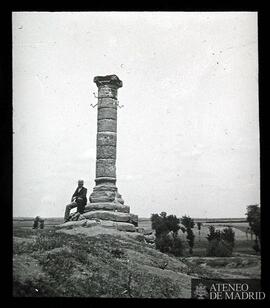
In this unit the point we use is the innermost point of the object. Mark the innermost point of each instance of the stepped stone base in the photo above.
(121, 226)
(113, 216)
(88, 223)
(80, 223)
(107, 206)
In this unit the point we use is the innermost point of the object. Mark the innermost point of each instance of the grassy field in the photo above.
(243, 241)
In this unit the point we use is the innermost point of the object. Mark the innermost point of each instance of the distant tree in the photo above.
(219, 248)
(163, 226)
(228, 235)
(190, 239)
(162, 223)
(159, 223)
(188, 223)
(173, 224)
(199, 225)
(213, 234)
(220, 243)
(163, 214)
(254, 220)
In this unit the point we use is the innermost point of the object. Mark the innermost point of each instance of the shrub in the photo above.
(177, 247)
(213, 234)
(170, 244)
(166, 242)
(228, 235)
(219, 248)
(220, 243)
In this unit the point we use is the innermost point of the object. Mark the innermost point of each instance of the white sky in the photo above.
(188, 134)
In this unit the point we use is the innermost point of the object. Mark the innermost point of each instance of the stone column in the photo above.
(105, 189)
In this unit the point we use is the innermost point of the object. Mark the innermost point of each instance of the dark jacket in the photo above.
(81, 194)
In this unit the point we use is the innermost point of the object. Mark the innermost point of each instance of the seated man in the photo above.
(78, 200)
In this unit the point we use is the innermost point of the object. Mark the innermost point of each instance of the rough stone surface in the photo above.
(108, 215)
(107, 102)
(107, 125)
(125, 227)
(105, 188)
(108, 138)
(121, 226)
(107, 206)
(105, 193)
(134, 219)
(106, 151)
(150, 238)
(140, 230)
(103, 196)
(71, 224)
(107, 113)
(91, 223)
(108, 224)
(107, 91)
(105, 168)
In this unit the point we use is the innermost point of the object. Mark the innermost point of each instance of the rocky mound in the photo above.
(95, 262)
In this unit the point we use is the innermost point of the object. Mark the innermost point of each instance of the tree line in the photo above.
(220, 242)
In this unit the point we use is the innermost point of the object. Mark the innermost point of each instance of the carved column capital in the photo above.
(111, 81)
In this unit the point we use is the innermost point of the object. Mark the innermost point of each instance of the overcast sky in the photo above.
(188, 134)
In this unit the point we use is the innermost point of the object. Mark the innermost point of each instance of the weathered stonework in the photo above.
(108, 215)
(108, 113)
(106, 152)
(106, 205)
(106, 140)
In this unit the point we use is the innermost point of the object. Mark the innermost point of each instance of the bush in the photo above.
(177, 247)
(219, 248)
(228, 235)
(220, 243)
(164, 242)
(166, 231)
(170, 244)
